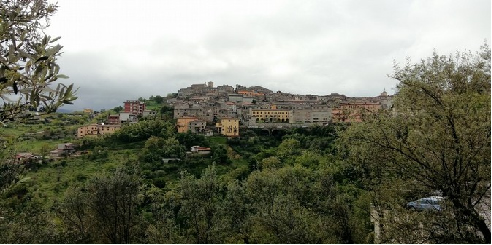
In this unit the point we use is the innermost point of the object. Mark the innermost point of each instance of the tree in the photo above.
(158, 99)
(167, 112)
(74, 213)
(113, 203)
(271, 162)
(118, 109)
(219, 154)
(144, 130)
(438, 139)
(28, 60)
(289, 205)
(10, 173)
(153, 150)
(200, 200)
(288, 148)
(172, 148)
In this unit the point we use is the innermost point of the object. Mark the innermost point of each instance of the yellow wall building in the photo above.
(90, 130)
(228, 127)
(108, 129)
(250, 93)
(273, 115)
(88, 111)
(183, 123)
(96, 129)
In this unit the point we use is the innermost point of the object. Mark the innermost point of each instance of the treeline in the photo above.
(288, 205)
(284, 194)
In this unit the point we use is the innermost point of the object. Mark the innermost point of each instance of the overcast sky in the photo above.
(119, 50)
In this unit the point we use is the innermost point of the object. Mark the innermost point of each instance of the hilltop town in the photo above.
(207, 109)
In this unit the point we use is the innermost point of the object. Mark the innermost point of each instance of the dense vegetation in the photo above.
(285, 189)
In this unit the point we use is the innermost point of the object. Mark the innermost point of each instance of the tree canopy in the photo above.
(437, 139)
(29, 71)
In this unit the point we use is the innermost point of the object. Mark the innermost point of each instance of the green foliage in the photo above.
(29, 60)
(167, 112)
(189, 139)
(158, 99)
(271, 162)
(113, 201)
(173, 149)
(32, 225)
(219, 154)
(118, 109)
(144, 130)
(438, 140)
(200, 199)
(104, 210)
(10, 173)
(299, 185)
(288, 148)
(74, 213)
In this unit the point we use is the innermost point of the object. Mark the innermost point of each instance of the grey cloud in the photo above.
(315, 47)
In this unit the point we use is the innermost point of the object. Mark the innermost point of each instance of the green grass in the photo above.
(49, 182)
(152, 105)
(218, 140)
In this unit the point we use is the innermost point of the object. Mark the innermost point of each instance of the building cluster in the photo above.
(62, 150)
(208, 109)
(132, 110)
(203, 108)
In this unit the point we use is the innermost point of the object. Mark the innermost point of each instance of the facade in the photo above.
(183, 123)
(148, 113)
(127, 117)
(354, 111)
(108, 129)
(197, 127)
(228, 127)
(90, 130)
(250, 93)
(94, 130)
(187, 110)
(113, 119)
(65, 149)
(272, 115)
(134, 107)
(235, 97)
(312, 116)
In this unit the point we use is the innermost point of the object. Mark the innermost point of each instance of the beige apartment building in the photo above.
(272, 115)
(94, 130)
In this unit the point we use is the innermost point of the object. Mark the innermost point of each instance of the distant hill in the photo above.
(61, 110)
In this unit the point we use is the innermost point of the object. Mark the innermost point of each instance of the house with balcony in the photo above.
(228, 127)
(113, 119)
(134, 107)
(197, 126)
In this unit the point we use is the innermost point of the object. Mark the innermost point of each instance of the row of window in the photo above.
(268, 112)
